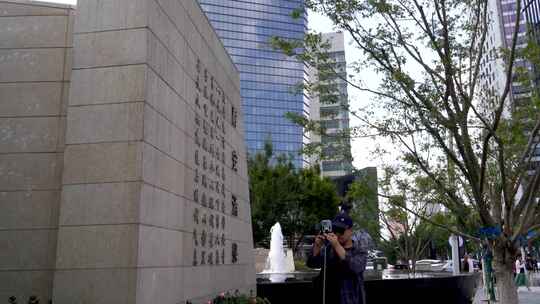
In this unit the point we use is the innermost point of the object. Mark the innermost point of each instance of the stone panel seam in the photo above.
(28, 229)
(32, 81)
(32, 116)
(106, 103)
(145, 225)
(35, 48)
(113, 30)
(107, 66)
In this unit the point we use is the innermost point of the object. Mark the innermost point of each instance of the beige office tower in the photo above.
(334, 116)
(123, 172)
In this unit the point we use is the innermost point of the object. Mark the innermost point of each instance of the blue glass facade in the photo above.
(267, 76)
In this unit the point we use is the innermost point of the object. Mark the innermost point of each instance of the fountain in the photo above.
(279, 264)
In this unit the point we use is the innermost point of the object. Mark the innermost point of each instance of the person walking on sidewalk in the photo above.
(521, 278)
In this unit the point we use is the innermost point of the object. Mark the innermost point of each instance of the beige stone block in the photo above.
(31, 65)
(162, 171)
(30, 99)
(104, 162)
(159, 247)
(23, 284)
(35, 171)
(163, 99)
(103, 246)
(29, 209)
(108, 85)
(110, 15)
(36, 134)
(94, 204)
(165, 65)
(96, 286)
(31, 9)
(105, 123)
(160, 285)
(110, 48)
(161, 208)
(196, 281)
(33, 31)
(27, 249)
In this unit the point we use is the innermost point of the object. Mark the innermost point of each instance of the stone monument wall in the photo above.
(154, 193)
(35, 57)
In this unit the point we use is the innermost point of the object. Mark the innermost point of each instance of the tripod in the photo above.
(324, 272)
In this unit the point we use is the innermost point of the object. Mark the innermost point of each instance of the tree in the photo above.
(473, 144)
(296, 198)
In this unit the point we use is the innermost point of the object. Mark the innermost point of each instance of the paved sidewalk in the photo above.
(525, 296)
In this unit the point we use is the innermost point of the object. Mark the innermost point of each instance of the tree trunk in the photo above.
(503, 266)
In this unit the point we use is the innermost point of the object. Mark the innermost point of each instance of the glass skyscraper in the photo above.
(267, 76)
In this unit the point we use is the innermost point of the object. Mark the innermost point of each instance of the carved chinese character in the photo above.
(210, 258)
(203, 199)
(234, 116)
(223, 239)
(204, 182)
(197, 157)
(196, 177)
(203, 257)
(217, 257)
(196, 216)
(196, 195)
(194, 257)
(203, 238)
(234, 203)
(223, 222)
(234, 253)
(205, 163)
(211, 220)
(223, 256)
(223, 206)
(197, 102)
(211, 239)
(197, 139)
(234, 159)
(195, 237)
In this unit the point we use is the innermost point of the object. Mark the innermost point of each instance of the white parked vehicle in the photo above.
(429, 265)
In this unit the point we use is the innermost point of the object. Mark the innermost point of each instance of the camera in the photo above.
(326, 226)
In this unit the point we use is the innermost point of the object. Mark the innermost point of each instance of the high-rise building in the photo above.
(332, 112)
(500, 34)
(267, 76)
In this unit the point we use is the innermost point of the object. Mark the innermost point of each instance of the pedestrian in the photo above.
(468, 265)
(342, 274)
(521, 278)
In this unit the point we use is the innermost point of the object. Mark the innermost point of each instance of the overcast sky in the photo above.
(361, 148)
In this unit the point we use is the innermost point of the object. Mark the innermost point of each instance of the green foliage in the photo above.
(236, 298)
(365, 199)
(296, 198)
